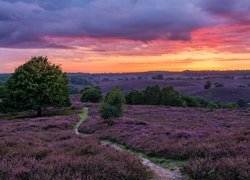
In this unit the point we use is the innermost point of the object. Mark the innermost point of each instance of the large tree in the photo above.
(35, 85)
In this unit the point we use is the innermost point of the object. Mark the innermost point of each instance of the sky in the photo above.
(126, 35)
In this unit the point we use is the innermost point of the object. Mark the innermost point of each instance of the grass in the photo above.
(163, 162)
(83, 116)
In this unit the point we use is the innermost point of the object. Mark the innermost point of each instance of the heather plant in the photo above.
(47, 148)
(215, 144)
(91, 94)
(113, 104)
(35, 85)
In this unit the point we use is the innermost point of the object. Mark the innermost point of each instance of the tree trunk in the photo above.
(39, 112)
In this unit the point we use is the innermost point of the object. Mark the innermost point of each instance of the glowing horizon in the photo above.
(128, 36)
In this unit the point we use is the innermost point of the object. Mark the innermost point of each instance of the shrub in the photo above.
(207, 85)
(191, 101)
(152, 95)
(218, 85)
(35, 85)
(135, 97)
(91, 94)
(242, 103)
(231, 106)
(170, 97)
(113, 105)
(213, 106)
(1, 91)
(202, 102)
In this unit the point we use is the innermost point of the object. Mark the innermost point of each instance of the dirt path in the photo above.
(160, 173)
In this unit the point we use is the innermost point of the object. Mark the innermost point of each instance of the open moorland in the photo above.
(227, 86)
(48, 148)
(205, 144)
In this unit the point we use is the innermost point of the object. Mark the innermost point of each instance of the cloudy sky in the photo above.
(126, 35)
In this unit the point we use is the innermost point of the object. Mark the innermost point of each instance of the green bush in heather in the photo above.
(91, 94)
(113, 104)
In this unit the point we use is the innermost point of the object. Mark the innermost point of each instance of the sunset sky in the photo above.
(126, 35)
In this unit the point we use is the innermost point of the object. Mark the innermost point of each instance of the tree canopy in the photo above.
(91, 94)
(35, 85)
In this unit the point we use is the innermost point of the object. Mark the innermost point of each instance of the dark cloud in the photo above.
(235, 10)
(28, 23)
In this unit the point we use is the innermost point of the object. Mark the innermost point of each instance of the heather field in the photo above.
(48, 148)
(206, 144)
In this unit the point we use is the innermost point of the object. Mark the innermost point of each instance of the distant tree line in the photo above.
(168, 96)
(79, 81)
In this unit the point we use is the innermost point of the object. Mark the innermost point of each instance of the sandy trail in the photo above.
(160, 173)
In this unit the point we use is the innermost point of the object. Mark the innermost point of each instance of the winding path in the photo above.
(160, 173)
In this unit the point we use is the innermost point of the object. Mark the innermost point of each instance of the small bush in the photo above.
(218, 85)
(191, 101)
(231, 106)
(207, 85)
(242, 103)
(91, 94)
(113, 105)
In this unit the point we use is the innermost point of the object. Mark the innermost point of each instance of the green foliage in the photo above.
(213, 106)
(170, 97)
(208, 85)
(191, 101)
(91, 94)
(35, 85)
(135, 97)
(202, 102)
(113, 104)
(167, 96)
(231, 106)
(1, 91)
(242, 103)
(152, 95)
